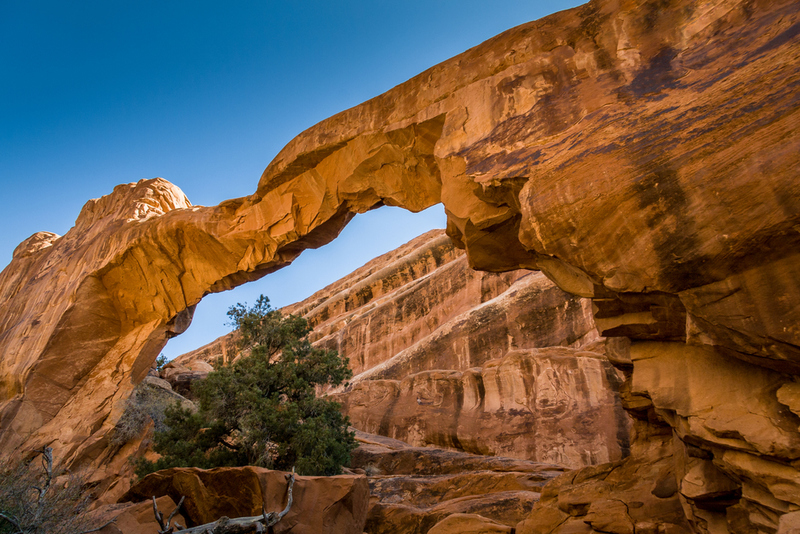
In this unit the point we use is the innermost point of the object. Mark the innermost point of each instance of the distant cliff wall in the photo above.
(447, 356)
(641, 153)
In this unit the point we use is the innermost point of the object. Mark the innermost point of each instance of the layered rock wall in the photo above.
(642, 153)
(394, 301)
(447, 356)
(554, 405)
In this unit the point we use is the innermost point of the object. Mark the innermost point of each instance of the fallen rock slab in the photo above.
(138, 518)
(507, 508)
(321, 505)
(469, 524)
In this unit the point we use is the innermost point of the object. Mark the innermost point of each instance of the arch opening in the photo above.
(364, 238)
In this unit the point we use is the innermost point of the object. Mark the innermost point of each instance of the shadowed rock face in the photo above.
(642, 153)
(414, 488)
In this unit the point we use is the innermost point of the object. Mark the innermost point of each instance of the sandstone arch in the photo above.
(643, 154)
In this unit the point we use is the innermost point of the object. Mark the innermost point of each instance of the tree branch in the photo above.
(288, 501)
(166, 528)
(225, 525)
(11, 520)
(47, 465)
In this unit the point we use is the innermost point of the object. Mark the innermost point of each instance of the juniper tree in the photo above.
(262, 409)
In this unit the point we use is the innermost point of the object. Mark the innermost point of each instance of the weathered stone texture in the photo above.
(554, 405)
(415, 488)
(445, 356)
(320, 505)
(641, 153)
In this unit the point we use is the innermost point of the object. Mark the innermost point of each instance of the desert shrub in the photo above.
(161, 361)
(147, 403)
(262, 410)
(39, 499)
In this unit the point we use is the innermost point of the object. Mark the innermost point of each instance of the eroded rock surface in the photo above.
(447, 356)
(407, 295)
(640, 153)
(554, 405)
(320, 505)
(137, 518)
(415, 488)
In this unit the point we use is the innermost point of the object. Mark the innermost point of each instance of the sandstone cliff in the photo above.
(450, 357)
(641, 153)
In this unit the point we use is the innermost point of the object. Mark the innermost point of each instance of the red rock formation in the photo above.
(469, 524)
(444, 357)
(321, 505)
(138, 518)
(640, 153)
(398, 299)
(415, 488)
(554, 405)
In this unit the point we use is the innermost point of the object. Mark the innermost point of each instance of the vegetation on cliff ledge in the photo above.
(262, 410)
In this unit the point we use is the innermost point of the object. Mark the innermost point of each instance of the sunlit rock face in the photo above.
(75, 322)
(447, 356)
(555, 405)
(640, 153)
(320, 505)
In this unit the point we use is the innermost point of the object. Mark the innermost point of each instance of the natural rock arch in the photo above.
(641, 156)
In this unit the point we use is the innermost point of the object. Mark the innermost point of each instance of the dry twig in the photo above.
(54, 508)
(225, 525)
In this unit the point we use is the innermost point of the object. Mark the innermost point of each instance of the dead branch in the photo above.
(225, 525)
(12, 520)
(165, 527)
(47, 465)
(55, 508)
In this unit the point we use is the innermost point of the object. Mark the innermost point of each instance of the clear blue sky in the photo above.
(204, 94)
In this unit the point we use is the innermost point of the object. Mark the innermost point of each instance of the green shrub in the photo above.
(161, 361)
(262, 410)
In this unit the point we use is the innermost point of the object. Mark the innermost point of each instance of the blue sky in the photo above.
(204, 94)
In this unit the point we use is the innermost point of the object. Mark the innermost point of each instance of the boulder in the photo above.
(505, 508)
(321, 505)
(180, 376)
(469, 524)
(642, 154)
(139, 518)
(415, 488)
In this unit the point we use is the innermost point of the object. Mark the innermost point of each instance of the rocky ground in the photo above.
(392, 488)
(641, 154)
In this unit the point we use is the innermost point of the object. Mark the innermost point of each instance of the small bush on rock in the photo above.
(262, 410)
(147, 403)
(161, 361)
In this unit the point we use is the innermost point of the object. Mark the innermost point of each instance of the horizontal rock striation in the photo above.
(446, 356)
(415, 488)
(391, 303)
(640, 153)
